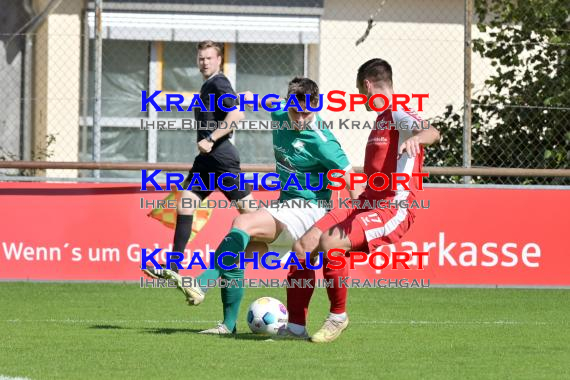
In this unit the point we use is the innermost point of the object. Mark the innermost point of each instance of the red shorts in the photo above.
(368, 229)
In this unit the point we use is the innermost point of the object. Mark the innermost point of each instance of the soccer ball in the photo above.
(266, 315)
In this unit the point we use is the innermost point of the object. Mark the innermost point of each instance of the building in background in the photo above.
(151, 45)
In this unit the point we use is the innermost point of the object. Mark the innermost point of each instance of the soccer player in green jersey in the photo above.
(307, 149)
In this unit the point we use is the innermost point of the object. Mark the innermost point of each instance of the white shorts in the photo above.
(297, 221)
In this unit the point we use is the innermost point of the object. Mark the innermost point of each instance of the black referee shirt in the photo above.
(217, 85)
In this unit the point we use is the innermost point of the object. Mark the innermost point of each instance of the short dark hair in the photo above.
(210, 44)
(375, 70)
(300, 86)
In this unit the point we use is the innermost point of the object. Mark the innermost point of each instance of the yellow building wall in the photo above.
(56, 86)
(423, 42)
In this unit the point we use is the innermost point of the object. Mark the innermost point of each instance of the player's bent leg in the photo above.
(259, 225)
(238, 239)
(214, 274)
(298, 300)
(221, 328)
(196, 294)
(337, 320)
(299, 224)
(232, 295)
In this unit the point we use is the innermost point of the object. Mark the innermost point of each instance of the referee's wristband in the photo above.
(210, 139)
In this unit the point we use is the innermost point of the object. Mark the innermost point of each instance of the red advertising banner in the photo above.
(95, 232)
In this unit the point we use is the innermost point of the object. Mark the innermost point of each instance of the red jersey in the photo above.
(391, 130)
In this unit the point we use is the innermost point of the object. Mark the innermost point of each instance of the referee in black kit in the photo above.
(217, 153)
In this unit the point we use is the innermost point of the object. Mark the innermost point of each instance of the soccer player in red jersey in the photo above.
(391, 148)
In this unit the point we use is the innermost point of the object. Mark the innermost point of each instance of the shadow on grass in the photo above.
(147, 330)
(246, 336)
(169, 331)
(107, 327)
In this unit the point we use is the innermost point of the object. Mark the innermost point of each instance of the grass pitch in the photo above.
(120, 331)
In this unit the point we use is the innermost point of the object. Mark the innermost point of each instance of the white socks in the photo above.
(338, 317)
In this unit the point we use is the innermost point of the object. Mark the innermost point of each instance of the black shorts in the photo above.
(206, 164)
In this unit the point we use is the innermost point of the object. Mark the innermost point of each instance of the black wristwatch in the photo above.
(210, 139)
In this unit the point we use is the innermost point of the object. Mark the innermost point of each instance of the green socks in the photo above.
(235, 241)
(232, 295)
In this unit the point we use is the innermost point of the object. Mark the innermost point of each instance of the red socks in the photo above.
(337, 294)
(298, 298)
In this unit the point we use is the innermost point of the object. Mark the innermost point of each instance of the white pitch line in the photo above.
(104, 321)
(4, 377)
(453, 323)
(373, 322)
